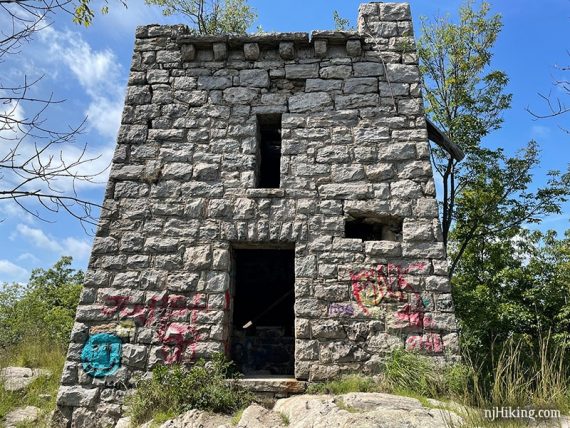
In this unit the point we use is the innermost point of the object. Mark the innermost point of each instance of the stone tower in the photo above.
(271, 198)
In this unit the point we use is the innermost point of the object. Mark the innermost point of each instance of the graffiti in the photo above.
(101, 355)
(383, 284)
(168, 314)
(387, 284)
(341, 310)
(413, 314)
(429, 342)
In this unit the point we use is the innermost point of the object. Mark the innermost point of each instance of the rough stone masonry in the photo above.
(352, 197)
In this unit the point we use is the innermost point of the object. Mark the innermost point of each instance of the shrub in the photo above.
(209, 386)
(44, 309)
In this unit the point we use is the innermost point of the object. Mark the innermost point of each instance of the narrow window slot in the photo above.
(269, 151)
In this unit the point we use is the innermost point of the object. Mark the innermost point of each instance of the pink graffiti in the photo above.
(414, 314)
(167, 314)
(430, 342)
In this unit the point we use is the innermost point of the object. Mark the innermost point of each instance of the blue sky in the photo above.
(88, 67)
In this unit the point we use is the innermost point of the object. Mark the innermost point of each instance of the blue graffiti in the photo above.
(101, 355)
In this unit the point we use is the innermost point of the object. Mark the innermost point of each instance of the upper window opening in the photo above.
(269, 151)
(373, 229)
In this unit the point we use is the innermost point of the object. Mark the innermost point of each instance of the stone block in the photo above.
(254, 78)
(240, 95)
(320, 48)
(287, 50)
(214, 82)
(301, 71)
(76, 396)
(188, 52)
(354, 48)
(368, 69)
(302, 103)
(251, 51)
(360, 85)
(335, 72)
(220, 51)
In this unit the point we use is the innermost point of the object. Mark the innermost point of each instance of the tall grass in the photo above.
(523, 375)
(34, 353)
(535, 375)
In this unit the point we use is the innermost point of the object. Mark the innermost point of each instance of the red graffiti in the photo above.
(168, 314)
(413, 314)
(429, 342)
(384, 284)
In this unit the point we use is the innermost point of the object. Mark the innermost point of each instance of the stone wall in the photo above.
(182, 193)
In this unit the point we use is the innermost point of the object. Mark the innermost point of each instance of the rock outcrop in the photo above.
(358, 409)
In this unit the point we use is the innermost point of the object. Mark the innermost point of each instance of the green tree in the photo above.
(206, 16)
(42, 309)
(513, 284)
(462, 96)
(487, 192)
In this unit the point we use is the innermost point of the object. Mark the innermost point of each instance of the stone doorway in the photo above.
(263, 337)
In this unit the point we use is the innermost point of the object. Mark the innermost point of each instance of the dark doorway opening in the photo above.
(263, 336)
(269, 151)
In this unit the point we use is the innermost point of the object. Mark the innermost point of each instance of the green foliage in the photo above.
(463, 96)
(33, 352)
(343, 385)
(340, 23)
(514, 283)
(211, 16)
(42, 309)
(488, 192)
(209, 386)
(409, 373)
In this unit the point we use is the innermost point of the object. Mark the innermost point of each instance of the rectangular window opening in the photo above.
(269, 151)
(263, 334)
(374, 229)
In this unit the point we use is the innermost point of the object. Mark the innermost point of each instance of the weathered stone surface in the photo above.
(256, 416)
(240, 95)
(21, 415)
(360, 85)
(320, 48)
(76, 396)
(254, 78)
(251, 51)
(307, 102)
(220, 51)
(367, 410)
(198, 419)
(18, 378)
(301, 71)
(354, 48)
(287, 50)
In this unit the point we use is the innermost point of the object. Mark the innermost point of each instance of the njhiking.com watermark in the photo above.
(518, 413)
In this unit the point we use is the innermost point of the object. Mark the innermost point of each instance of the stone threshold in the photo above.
(274, 384)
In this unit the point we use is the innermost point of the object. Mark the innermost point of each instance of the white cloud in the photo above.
(77, 248)
(12, 272)
(38, 238)
(28, 257)
(539, 131)
(98, 72)
(105, 116)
